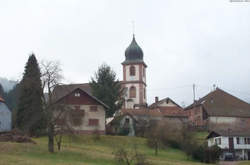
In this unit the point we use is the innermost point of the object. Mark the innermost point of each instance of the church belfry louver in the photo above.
(134, 77)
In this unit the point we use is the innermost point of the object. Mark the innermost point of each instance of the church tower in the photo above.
(134, 77)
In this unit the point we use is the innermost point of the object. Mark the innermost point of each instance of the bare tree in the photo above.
(56, 112)
(125, 156)
(154, 139)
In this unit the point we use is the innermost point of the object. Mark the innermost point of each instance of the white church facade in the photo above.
(134, 77)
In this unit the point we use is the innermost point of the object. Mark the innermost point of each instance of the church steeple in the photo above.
(134, 76)
(133, 53)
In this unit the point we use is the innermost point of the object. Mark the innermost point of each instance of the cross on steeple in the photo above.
(133, 28)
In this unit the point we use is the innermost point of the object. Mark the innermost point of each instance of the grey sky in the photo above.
(204, 42)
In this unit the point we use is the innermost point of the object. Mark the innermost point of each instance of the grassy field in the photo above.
(244, 163)
(84, 150)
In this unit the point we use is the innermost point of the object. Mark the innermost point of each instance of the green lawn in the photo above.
(83, 150)
(244, 163)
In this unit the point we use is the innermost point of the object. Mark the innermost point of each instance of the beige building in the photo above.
(85, 113)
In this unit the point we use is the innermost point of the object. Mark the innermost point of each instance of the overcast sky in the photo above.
(204, 42)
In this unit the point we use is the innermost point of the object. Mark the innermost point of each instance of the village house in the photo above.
(5, 117)
(137, 120)
(87, 113)
(235, 144)
(219, 109)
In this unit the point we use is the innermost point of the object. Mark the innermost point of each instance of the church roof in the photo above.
(133, 53)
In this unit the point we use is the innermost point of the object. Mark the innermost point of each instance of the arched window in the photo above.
(132, 92)
(132, 71)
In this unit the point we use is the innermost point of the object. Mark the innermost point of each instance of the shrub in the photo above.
(206, 154)
(124, 157)
(198, 153)
(212, 154)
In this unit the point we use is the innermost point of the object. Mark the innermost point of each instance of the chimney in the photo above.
(156, 99)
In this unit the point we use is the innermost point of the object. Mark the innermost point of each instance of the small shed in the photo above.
(5, 117)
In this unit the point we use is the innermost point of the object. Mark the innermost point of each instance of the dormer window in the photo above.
(77, 94)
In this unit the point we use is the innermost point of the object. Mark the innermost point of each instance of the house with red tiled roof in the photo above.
(135, 121)
(219, 109)
(86, 113)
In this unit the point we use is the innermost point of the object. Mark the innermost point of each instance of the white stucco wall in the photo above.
(136, 85)
(132, 78)
(225, 143)
(240, 149)
(99, 114)
(137, 82)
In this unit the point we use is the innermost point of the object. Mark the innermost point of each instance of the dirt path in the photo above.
(228, 163)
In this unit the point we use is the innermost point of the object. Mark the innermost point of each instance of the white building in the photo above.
(237, 143)
(134, 77)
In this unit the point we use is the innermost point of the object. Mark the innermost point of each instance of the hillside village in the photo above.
(224, 117)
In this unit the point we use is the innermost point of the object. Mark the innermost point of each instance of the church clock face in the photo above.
(134, 77)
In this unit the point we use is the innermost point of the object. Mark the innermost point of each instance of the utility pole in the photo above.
(194, 91)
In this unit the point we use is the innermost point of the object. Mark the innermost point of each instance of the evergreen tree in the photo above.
(107, 88)
(2, 93)
(12, 97)
(11, 100)
(30, 115)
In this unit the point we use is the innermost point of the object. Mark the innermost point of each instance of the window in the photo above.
(218, 141)
(132, 92)
(144, 93)
(143, 72)
(93, 108)
(127, 120)
(93, 122)
(77, 94)
(238, 140)
(241, 140)
(132, 71)
(247, 140)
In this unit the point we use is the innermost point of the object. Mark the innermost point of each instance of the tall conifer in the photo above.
(30, 115)
(107, 88)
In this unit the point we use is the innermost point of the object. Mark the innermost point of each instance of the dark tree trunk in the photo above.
(59, 142)
(156, 148)
(51, 138)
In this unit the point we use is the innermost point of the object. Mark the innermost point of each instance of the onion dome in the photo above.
(133, 53)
